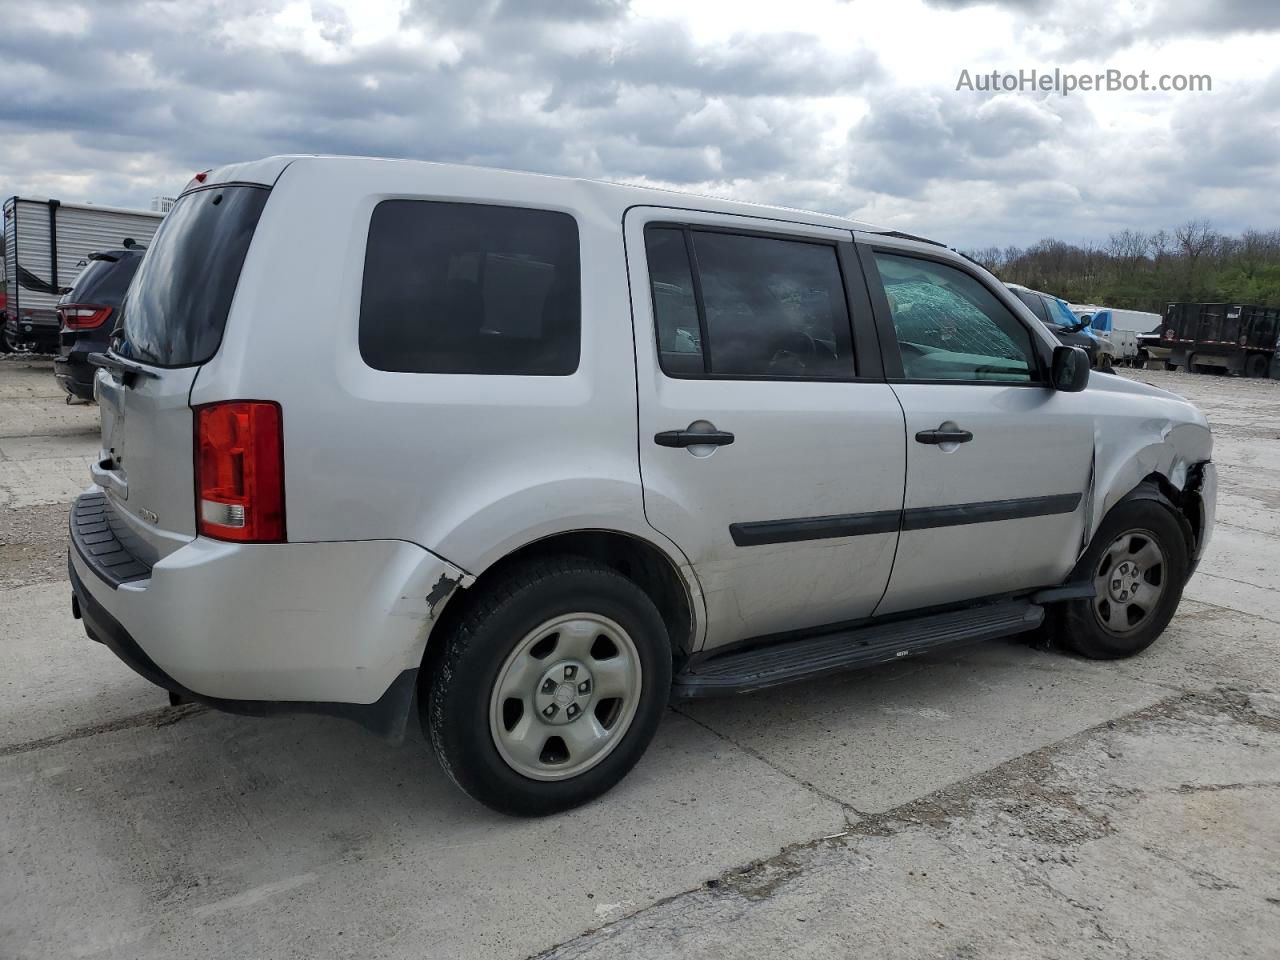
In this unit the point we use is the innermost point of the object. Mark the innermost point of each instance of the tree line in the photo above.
(1137, 270)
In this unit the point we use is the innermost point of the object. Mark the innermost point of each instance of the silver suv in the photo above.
(533, 455)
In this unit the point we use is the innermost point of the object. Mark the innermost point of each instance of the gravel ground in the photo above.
(996, 802)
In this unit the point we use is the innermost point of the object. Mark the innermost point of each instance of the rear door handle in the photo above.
(693, 438)
(943, 436)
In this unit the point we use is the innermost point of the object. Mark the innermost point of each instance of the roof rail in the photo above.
(911, 236)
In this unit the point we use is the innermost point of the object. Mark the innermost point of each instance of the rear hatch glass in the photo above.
(174, 315)
(104, 281)
(180, 298)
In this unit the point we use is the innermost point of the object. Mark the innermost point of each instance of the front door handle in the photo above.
(693, 438)
(943, 436)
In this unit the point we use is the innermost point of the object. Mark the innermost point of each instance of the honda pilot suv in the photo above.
(527, 457)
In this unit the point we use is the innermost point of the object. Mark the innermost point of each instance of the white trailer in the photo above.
(46, 244)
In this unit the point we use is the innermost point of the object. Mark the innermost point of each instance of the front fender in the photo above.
(1127, 453)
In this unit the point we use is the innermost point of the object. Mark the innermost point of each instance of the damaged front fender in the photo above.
(1153, 436)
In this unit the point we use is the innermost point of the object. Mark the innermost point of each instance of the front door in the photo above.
(998, 462)
(771, 450)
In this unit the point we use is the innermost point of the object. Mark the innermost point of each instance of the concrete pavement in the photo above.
(997, 802)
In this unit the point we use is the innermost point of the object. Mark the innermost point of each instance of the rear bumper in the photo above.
(335, 628)
(388, 716)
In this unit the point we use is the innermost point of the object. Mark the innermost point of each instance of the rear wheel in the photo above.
(1138, 564)
(551, 687)
(1256, 366)
(1170, 366)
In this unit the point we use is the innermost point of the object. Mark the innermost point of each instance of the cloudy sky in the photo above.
(845, 106)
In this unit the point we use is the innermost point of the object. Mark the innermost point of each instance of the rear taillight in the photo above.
(82, 316)
(240, 471)
(1168, 334)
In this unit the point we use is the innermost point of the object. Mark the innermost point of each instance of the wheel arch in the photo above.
(1185, 502)
(668, 580)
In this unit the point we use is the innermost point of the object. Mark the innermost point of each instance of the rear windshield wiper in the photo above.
(128, 369)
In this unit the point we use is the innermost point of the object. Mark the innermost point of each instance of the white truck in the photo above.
(46, 243)
(1117, 331)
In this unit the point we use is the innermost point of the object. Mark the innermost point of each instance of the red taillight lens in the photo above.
(83, 316)
(240, 471)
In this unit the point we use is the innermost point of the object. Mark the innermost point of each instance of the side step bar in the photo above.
(789, 661)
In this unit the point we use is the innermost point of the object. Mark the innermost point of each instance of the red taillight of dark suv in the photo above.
(240, 471)
(83, 316)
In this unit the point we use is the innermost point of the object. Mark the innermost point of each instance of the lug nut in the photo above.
(572, 711)
(570, 672)
(550, 710)
(584, 686)
(548, 685)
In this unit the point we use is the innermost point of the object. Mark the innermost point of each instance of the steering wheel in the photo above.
(792, 349)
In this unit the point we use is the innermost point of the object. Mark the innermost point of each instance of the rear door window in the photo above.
(178, 303)
(471, 288)
(757, 307)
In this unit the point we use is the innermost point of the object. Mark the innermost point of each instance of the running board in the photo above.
(789, 661)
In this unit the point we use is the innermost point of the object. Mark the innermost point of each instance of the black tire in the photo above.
(1081, 627)
(1256, 366)
(455, 700)
(1170, 366)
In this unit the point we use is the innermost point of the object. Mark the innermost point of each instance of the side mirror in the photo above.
(1070, 369)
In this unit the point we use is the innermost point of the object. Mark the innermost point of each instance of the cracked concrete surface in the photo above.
(995, 802)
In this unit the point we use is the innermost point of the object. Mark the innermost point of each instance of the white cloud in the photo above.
(848, 107)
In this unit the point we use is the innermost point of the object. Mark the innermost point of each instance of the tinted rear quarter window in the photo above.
(177, 305)
(470, 288)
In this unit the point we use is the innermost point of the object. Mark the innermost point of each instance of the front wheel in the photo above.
(551, 686)
(1138, 563)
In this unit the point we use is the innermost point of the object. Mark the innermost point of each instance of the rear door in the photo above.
(997, 461)
(174, 315)
(789, 508)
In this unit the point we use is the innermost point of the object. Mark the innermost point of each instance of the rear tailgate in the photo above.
(174, 316)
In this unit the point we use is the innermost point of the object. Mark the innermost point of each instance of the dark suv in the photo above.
(1058, 318)
(88, 313)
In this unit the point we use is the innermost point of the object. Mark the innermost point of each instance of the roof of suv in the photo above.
(267, 170)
